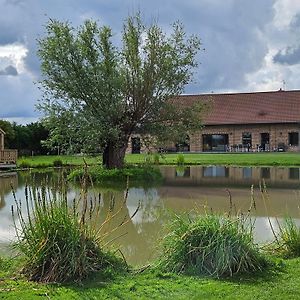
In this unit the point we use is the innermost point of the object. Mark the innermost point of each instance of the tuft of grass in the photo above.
(287, 242)
(60, 243)
(180, 159)
(211, 245)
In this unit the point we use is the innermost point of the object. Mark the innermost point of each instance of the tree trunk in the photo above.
(114, 154)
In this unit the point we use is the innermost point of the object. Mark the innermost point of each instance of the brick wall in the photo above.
(279, 133)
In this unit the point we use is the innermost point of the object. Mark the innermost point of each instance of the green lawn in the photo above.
(282, 285)
(238, 159)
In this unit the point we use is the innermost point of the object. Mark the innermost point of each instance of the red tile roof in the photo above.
(249, 108)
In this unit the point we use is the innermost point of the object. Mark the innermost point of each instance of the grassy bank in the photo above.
(148, 285)
(235, 159)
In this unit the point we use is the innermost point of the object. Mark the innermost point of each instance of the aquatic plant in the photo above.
(213, 245)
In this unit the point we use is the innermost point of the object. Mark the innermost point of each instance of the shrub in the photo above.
(57, 163)
(180, 159)
(210, 245)
(59, 244)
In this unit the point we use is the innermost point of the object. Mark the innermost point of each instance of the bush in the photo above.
(58, 243)
(180, 159)
(57, 163)
(210, 245)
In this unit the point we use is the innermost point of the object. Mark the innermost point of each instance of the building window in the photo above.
(293, 138)
(183, 145)
(247, 139)
(215, 142)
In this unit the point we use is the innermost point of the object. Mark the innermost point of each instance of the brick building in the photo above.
(240, 122)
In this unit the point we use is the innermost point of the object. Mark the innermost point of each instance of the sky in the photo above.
(247, 45)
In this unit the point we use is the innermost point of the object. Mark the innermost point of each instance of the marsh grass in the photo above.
(286, 241)
(59, 238)
(210, 244)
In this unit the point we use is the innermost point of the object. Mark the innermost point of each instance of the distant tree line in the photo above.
(27, 139)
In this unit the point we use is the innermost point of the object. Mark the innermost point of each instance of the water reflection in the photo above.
(232, 176)
(183, 190)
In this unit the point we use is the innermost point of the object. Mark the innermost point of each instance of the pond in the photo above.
(184, 189)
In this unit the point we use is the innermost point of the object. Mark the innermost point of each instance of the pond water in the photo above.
(183, 189)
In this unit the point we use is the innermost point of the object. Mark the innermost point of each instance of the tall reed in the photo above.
(211, 245)
(57, 236)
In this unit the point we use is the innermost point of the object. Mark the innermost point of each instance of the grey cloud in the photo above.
(289, 56)
(9, 70)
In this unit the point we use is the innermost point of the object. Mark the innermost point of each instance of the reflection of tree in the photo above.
(6, 182)
(138, 236)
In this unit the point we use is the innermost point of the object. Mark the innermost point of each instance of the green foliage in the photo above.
(135, 175)
(23, 163)
(26, 138)
(57, 163)
(287, 241)
(180, 159)
(102, 93)
(211, 245)
(59, 243)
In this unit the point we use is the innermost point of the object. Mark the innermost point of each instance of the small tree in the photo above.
(105, 93)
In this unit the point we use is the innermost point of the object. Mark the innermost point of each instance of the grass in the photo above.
(156, 285)
(235, 159)
(44, 161)
(59, 243)
(214, 245)
(287, 242)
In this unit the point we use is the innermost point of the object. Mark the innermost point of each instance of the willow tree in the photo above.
(98, 92)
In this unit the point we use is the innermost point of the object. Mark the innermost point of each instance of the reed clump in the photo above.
(287, 239)
(57, 237)
(211, 245)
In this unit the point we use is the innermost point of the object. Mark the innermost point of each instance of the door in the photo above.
(265, 141)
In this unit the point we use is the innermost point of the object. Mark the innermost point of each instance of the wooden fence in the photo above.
(8, 156)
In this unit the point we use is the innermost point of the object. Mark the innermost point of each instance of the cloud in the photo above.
(289, 56)
(250, 45)
(9, 70)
